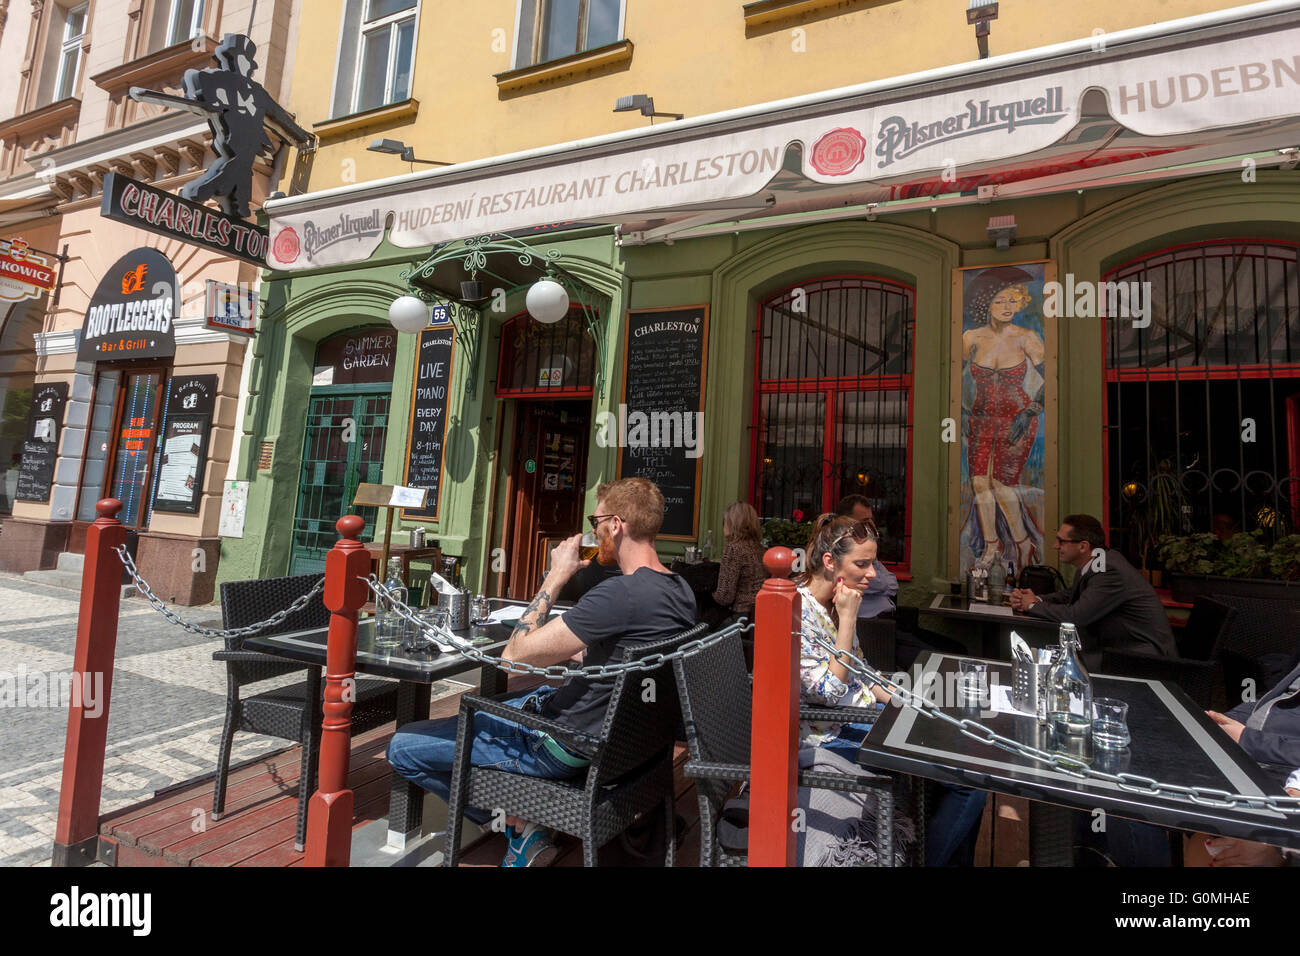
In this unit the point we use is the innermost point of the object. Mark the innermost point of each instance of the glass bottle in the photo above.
(708, 545)
(1069, 691)
(388, 623)
(997, 580)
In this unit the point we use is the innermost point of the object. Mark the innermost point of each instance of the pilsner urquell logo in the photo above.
(900, 139)
(316, 238)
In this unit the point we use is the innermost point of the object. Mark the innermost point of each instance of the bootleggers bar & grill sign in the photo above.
(131, 313)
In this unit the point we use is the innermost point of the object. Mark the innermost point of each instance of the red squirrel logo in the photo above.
(133, 281)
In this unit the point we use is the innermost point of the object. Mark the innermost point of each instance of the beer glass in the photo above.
(589, 547)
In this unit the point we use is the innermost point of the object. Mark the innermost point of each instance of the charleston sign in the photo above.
(876, 136)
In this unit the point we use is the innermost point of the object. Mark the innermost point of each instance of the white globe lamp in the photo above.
(408, 314)
(547, 302)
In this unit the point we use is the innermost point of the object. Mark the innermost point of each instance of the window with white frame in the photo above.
(185, 21)
(70, 53)
(551, 29)
(376, 54)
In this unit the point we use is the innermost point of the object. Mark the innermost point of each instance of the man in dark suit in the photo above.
(1114, 605)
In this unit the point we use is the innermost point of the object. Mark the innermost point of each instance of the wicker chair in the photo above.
(715, 696)
(1263, 637)
(631, 768)
(1197, 669)
(292, 712)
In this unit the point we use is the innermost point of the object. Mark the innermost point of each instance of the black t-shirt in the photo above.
(638, 608)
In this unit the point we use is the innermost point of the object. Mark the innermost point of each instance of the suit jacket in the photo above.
(1116, 609)
(1272, 733)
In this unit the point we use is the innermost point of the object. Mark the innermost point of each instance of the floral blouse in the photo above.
(817, 684)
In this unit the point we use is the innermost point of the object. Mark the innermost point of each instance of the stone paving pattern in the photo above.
(168, 704)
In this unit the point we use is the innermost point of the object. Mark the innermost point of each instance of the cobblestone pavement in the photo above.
(168, 704)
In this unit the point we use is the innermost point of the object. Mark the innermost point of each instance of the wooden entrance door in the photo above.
(134, 441)
(548, 482)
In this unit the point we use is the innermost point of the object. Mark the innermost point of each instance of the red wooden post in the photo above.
(329, 813)
(774, 741)
(76, 832)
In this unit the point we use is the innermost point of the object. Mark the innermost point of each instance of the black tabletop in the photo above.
(1173, 742)
(309, 647)
(961, 609)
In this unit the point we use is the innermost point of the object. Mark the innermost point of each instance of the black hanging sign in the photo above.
(659, 426)
(426, 436)
(183, 453)
(41, 443)
(132, 313)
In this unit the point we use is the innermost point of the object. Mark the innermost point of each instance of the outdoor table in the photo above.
(404, 553)
(417, 672)
(1174, 742)
(994, 623)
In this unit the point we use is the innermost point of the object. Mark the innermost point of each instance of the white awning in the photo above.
(1192, 90)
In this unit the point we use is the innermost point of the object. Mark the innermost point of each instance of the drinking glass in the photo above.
(973, 686)
(589, 547)
(1110, 723)
(388, 631)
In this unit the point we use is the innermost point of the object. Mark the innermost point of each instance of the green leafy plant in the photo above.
(1193, 554)
(1242, 556)
(1284, 558)
(790, 534)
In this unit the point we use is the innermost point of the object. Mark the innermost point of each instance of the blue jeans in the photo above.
(423, 752)
(953, 827)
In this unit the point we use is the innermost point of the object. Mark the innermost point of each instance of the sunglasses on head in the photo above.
(860, 531)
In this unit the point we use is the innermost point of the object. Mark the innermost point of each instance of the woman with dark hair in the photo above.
(1003, 418)
(841, 555)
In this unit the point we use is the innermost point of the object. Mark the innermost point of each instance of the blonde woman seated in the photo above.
(841, 564)
(742, 571)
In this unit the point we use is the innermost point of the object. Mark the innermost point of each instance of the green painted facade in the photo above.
(1086, 233)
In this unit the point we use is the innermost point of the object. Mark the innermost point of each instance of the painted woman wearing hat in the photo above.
(1003, 419)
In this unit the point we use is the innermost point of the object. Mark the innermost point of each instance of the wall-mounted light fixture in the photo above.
(981, 13)
(396, 147)
(642, 102)
(1002, 230)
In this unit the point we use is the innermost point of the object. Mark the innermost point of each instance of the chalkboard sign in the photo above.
(183, 454)
(660, 426)
(427, 432)
(41, 443)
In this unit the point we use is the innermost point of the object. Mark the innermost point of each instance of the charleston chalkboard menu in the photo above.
(41, 444)
(426, 436)
(660, 426)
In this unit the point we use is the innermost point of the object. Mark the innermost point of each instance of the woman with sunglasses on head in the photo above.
(841, 556)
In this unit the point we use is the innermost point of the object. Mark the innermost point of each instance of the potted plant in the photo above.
(1157, 517)
(1284, 558)
(1244, 566)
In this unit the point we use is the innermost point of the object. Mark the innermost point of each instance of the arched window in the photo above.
(832, 403)
(556, 360)
(1203, 393)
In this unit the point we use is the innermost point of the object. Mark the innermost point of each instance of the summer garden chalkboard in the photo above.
(660, 425)
(426, 436)
(41, 443)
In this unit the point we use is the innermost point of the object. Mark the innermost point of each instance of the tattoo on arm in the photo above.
(538, 609)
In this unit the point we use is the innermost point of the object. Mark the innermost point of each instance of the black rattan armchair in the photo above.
(1197, 669)
(631, 768)
(292, 712)
(716, 703)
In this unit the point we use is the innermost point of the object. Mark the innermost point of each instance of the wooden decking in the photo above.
(176, 828)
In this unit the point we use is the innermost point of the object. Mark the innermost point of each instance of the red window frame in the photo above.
(833, 387)
(508, 329)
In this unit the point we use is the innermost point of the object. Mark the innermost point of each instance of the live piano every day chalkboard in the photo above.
(41, 443)
(427, 432)
(660, 423)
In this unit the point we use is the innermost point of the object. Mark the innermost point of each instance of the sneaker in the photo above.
(532, 847)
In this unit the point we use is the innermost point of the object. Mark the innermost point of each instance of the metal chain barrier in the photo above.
(553, 671)
(1133, 783)
(235, 633)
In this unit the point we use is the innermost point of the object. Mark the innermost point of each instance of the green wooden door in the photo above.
(343, 446)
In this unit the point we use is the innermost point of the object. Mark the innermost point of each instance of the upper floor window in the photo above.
(185, 21)
(376, 54)
(551, 29)
(70, 53)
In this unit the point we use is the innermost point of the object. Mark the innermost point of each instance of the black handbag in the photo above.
(1041, 579)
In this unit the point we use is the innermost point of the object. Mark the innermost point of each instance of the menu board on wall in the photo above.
(427, 432)
(41, 443)
(660, 426)
(183, 453)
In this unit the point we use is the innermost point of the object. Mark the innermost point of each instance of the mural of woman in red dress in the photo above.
(1002, 363)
